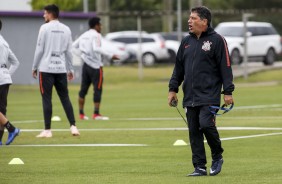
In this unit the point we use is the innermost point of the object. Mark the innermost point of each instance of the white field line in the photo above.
(252, 117)
(163, 119)
(149, 119)
(258, 106)
(249, 128)
(151, 129)
(249, 136)
(79, 145)
(179, 118)
(28, 121)
(128, 145)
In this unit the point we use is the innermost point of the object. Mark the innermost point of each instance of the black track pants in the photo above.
(47, 81)
(201, 122)
(4, 90)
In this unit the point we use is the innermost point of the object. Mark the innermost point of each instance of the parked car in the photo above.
(153, 46)
(262, 39)
(111, 47)
(172, 43)
(119, 49)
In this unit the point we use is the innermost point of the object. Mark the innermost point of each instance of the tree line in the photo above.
(141, 5)
(223, 10)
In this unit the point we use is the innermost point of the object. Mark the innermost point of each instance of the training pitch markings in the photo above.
(80, 145)
(136, 145)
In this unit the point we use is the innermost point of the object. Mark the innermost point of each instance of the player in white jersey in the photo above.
(53, 61)
(8, 65)
(89, 44)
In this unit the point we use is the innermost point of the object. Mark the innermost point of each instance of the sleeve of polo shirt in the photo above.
(69, 64)
(39, 50)
(14, 62)
(97, 47)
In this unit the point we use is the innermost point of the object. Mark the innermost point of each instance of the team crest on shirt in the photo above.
(207, 46)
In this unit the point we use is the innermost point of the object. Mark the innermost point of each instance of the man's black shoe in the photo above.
(216, 167)
(198, 172)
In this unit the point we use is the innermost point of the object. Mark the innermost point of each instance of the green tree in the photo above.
(255, 4)
(242, 4)
(133, 5)
(64, 5)
(219, 4)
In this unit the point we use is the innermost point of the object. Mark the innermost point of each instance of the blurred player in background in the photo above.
(89, 44)
(8, 65)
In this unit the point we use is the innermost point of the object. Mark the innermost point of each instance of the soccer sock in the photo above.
(96, 111)
(9, 127)
(72, 123)
(1, 134)
(81, 111)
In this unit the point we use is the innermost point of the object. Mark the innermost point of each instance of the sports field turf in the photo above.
(136, 144)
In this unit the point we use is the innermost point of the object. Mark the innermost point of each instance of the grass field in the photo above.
(139, 116)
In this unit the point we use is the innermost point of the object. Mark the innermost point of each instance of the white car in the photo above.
(153, 46)
(118, 49)
(263, 41)
(172, 43)
(111, 47)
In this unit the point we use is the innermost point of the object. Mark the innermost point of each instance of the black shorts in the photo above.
(4, 90)
(91, 76)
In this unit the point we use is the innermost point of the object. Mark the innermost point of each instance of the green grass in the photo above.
(248, 161)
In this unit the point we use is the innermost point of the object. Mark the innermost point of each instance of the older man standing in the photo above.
(203, 65)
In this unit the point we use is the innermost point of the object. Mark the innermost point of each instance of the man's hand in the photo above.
(115, 57)
(70, 76)
(228, 99)
(34, 74)
(171, 96)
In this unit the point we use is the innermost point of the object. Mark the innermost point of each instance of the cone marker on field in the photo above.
(56, 118)
(16, 161)
(180, 143)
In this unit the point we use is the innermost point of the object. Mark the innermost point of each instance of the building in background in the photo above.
(15, 5)
(20, 29)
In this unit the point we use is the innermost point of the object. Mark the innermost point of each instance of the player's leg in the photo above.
(13, 131)
(4, 89)
(46, 82)
(61, 85)
(196, 138)
(85, 83)
(208, 125)
(97, 80)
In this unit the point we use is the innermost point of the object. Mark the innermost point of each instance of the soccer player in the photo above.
(203, 65)
(8, 65)
(89, 43)
(53, 60)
